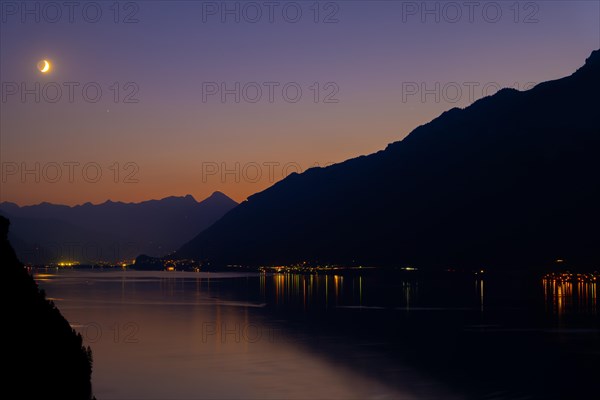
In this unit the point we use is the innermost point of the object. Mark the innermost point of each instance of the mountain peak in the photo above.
(188, 198)
(219, 198)
(217, 193)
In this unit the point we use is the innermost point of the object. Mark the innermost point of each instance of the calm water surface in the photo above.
(183, 335)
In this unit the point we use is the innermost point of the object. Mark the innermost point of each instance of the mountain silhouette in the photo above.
(46, 359)
(511, 181)
(110, 231)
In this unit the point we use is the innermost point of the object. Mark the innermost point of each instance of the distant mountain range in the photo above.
(111, 231)
(512, 180)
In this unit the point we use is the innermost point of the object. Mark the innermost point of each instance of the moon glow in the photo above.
(44, 66)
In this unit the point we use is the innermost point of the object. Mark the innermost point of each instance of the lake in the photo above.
(349, 335)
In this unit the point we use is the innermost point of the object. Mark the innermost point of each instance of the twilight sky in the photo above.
(189, 96)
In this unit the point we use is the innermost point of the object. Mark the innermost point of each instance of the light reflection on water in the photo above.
(235, 335)
(561, 296)
(329, 290)
(479, 284)
(185, 336)
(306, 289)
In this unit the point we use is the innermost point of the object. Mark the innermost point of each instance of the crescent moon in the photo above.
(44, 66)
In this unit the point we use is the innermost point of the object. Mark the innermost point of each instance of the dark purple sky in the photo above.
(362, 69)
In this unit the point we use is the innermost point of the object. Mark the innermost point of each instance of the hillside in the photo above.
(46, 358)
(510, 181)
